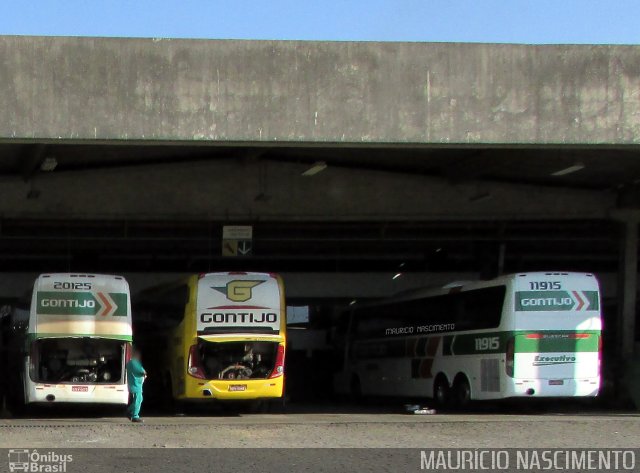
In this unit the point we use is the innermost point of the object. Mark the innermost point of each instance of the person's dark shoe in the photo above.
(137, 420)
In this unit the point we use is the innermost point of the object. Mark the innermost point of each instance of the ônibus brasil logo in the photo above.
(239, 290)
(34, 461)
(556, 300)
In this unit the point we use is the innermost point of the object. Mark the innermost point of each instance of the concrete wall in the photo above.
(317, 92)
(228, 190)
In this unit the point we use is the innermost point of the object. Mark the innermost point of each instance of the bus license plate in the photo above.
(556, 382)
(238, 387)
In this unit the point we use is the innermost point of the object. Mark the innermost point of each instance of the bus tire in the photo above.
(441, 391)
(461, 392)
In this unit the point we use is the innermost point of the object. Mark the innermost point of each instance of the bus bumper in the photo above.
(241, 389)
(587, 387)
(83, 394)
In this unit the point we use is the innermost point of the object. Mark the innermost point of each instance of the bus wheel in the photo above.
(441, 391)
(461, 392)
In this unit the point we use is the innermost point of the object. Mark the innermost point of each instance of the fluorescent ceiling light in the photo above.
(49, 164)
(569, 170)
(317, 167)
(397, 275)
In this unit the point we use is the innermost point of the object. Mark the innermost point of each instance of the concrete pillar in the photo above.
(628, 285)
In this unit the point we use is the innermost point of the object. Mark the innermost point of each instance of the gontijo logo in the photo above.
(82, 303)
(556, 300)
(239, 290)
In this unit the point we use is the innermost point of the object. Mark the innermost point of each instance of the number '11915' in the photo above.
(487, 343)
(544, 285)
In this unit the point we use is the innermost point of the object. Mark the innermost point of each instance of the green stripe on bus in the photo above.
(525, 342)
(121, 299)
(81, 303)
(476, 343)
(564, 342)
(546, 301)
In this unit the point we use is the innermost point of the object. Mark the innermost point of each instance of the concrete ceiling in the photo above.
(603, 167)
(161, 208)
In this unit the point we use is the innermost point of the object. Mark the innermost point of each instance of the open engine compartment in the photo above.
(237, 360)
(78, 360)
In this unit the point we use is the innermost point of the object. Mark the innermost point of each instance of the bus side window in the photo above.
(481, 308)
(433, 310)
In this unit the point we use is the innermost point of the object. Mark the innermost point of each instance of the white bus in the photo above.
(522, 335)
(77, 341)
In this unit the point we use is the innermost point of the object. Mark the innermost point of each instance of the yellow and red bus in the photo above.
(215, 336)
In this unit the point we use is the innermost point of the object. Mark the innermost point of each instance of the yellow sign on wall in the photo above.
(237, 240)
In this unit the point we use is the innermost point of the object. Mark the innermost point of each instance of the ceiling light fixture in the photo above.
(397, 275)
(49, 164)
(569, 170)
(317, 167)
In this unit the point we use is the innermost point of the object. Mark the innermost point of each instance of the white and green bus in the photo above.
(521, 335)
(75, 343)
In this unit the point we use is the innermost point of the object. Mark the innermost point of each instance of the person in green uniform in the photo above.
(136, 375)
